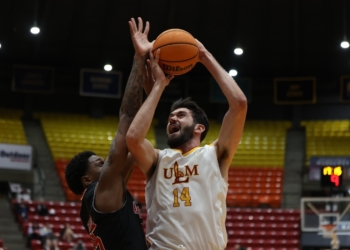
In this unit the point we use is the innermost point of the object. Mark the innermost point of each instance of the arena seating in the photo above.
(327, 138)
(36, 245)
(262, 229)
(63, 212)
(255, 181)
(255, 187)
(69, 134)
(258, 228)
(137, 185)
(11, 127)
(256, 174)
(262, 143)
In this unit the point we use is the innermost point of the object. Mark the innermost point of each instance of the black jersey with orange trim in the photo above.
(121, 229)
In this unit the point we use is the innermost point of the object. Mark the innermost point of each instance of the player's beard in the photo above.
(185, 136)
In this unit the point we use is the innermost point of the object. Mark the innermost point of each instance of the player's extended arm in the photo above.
(233, 122)
(129, 167)
(111, 187)
(130, 163)
(142, 150)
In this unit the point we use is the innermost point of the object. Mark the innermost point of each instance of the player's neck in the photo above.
(186, 147)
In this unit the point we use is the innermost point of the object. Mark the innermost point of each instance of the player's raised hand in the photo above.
(157, 72)
(139, 36)
(201, 51)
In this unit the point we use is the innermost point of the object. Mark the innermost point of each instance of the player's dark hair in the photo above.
(198, 114)
(76, 169)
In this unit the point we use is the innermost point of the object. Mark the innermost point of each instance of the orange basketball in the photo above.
(178, 51)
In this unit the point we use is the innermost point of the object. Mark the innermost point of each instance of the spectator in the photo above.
(41, 208)
(33, 233)
(16, 206)
(49, 239)
(22, 211)
(239, 247)
(79, 246)
(24, 194)
(67, 233)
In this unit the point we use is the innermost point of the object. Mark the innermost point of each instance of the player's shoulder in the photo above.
(89, 192)
(207, 147)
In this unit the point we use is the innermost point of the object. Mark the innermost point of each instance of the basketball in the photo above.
(178, 51)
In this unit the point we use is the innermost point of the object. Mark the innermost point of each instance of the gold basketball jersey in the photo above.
(186, 201)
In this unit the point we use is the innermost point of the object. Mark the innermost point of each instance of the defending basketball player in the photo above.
(187, 184)
(108, 211)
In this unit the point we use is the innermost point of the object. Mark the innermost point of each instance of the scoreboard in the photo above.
(331, 176)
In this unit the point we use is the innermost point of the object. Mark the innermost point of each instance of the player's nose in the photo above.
(172, 119)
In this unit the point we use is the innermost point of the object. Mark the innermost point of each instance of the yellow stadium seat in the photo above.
(11, 127)
(68, 134)
(327, 138)
(262, 144)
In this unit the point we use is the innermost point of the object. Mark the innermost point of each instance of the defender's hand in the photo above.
(139, 37)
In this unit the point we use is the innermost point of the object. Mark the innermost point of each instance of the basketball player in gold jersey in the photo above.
(187, 184)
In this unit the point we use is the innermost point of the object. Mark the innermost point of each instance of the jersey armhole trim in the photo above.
(93, 204)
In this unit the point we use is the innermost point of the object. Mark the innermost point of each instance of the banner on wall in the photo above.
(295, 90)
(15, 157)
(216, 95)
(345, 89)
(32, 79)
(318, 163)
(100, 83)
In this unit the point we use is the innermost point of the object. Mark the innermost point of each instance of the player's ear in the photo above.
(85, 180)
(199, 128)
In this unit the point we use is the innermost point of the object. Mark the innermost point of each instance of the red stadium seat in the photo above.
(266, 200)
(240, 200)
(36, 245)
(263, 229)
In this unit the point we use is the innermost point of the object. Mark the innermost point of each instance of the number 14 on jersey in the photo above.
(185, 196)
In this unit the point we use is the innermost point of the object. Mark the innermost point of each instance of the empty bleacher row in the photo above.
(69, 134)
(262, 143)
(255, 187)
(11, 127)
(327, 138)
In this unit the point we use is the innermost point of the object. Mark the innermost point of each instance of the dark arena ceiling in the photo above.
(280, 38)
(289, 37)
